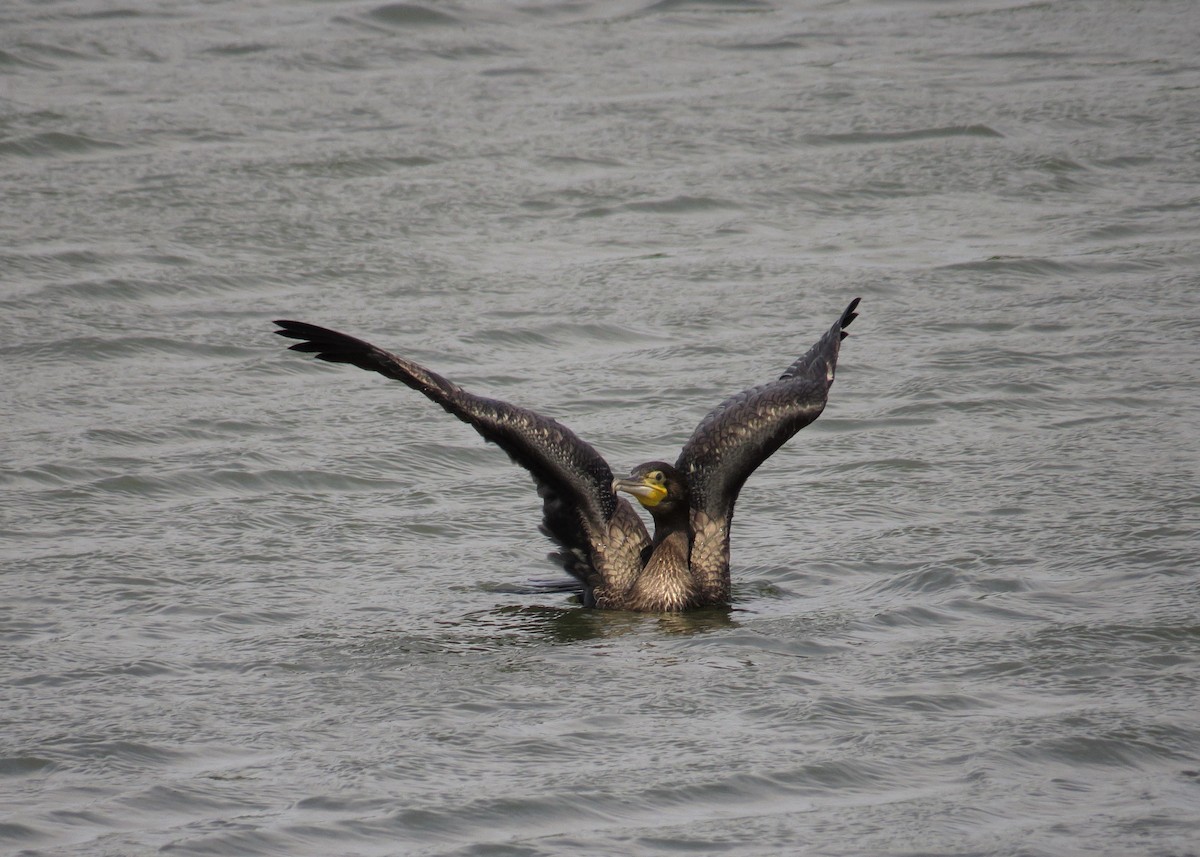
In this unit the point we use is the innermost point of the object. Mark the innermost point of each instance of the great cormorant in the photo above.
(603, 542)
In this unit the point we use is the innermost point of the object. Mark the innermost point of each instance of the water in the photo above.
(255, 605)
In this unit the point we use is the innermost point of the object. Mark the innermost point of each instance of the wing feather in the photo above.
(573, 479)
(744, 430)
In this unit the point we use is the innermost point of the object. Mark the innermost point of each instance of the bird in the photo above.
(602, 542)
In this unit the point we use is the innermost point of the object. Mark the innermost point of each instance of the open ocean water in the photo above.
(255, 605)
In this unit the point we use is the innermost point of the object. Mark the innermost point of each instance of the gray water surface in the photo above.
(253, 604)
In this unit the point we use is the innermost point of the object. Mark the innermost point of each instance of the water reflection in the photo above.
(573, 623)
(527, 624)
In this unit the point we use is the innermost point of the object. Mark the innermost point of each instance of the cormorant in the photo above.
(603, 542)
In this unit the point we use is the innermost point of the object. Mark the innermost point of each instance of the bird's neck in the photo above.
(668, 523)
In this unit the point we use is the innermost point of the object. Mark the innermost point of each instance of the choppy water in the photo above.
(251, 604)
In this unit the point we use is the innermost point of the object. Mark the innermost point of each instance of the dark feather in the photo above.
(573, 479)
(744, 430)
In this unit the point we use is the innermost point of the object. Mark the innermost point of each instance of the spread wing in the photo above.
(581, 510)
(738, 436)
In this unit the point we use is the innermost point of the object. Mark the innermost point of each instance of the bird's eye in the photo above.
(657, 476)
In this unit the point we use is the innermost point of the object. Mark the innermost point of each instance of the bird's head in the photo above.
(657, 485)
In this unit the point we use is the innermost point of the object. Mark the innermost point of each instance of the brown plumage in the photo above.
(602, 541)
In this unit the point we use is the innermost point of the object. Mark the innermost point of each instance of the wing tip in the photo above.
(295, 329)
(848, 316)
